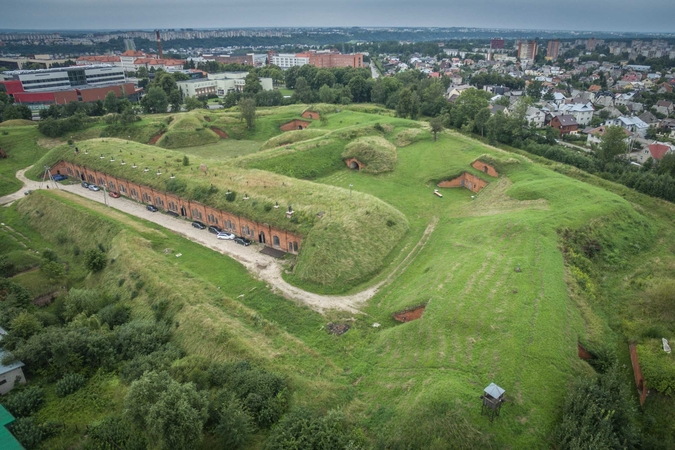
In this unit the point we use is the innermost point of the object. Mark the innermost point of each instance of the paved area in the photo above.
(263, 266)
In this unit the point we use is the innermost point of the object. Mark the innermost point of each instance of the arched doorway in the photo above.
(183, 212)
(354, 165)
(261, 237)
(485, 169)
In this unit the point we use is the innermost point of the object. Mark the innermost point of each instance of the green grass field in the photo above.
(20, 145)
(484, 321)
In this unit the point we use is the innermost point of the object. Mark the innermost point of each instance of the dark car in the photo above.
(152, 208)
(172, 214)
(214, 229)
(114, 194)
(198, 224)
(59, 177)
(85, 184)
(242, 241)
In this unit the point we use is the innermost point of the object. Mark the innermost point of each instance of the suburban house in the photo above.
(535, 117)
(664, 107)
(457, 90)
(658, 150)
(583, 113)
(632, 124)
(649, 118)
(10, 374)
(494, 109)
(595, 135)
(565, 124)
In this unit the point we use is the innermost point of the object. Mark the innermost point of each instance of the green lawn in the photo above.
(20, 145)
(224, 149)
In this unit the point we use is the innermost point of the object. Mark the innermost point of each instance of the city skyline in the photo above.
(617, 16)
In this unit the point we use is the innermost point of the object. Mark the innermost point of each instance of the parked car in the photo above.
(172, 214)
(151, 208)
(93, 187)
(28, 192)
(226, 236)
(198, 224)
(114, 194)
(242, 241)
(214, 229)
(59, 177)
(85, 184)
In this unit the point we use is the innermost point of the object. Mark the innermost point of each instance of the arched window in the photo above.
(295, 247)
(275, 240)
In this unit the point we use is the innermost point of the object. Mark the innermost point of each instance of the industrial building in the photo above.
(321, 59)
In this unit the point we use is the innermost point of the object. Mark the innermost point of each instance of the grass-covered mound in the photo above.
(375, 152)
(292, 137)
(354, 219)
(188, 130)
(16, 123)
(411, 135)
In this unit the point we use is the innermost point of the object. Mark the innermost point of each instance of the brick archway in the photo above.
(354, 164)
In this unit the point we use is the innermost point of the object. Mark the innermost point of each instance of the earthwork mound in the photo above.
(375, 153)
(409, 314)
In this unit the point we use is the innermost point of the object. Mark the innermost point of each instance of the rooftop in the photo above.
(58, 69)
(9, 367)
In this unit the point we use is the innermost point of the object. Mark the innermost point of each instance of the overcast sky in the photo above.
(601, 15)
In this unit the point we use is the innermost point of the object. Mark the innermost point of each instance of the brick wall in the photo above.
(358, 163)
(485, 168)
(311, 115)
(256, 231)
(637, 371)
(295, 125)
(466, 180)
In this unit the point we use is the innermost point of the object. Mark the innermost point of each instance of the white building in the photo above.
(582, 113)
(10, 374)
(632, 124)
(219, 83)
(288, 60)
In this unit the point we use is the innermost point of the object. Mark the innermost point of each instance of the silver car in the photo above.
(93, 187)
(226, 236)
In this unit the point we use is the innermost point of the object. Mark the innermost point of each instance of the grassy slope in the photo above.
(20, 144)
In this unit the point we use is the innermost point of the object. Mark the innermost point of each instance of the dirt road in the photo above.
(263, 266)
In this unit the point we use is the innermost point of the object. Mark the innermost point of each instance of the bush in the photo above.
(114, 433)
(27, 432)
(114, 315)
(234, 425)
(24, 402)
(70, 383)
(95, 260)
(301, 429)
(657, 366)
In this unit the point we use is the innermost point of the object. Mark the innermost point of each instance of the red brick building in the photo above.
(565, 124)
(256, 231)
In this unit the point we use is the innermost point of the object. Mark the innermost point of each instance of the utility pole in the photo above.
(350, 190)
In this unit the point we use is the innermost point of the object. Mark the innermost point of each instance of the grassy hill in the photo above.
(595, 261)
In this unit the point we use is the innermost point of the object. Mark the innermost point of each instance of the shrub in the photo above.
(230, 196)
(657, 366)
(186, 160)
(25, 402)
(114, 433)
(302, 429)
(95, 260)
(234, 426)
(27, 432)
(70, 383)
(114, 315)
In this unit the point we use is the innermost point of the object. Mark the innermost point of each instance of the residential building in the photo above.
(288, 60)
(10, 374)
(535, 117)
(457, 90)
(632, 124)
(318, 59)
(591, 44)
(565, 124)
(527, 49)
(649, 118)
(553, 49)
(595, 135)
(658, 150)
(583, 113)
(496, 43)
(664, 107)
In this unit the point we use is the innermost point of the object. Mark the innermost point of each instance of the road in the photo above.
(262, 266)
(567, 144)
(374, 72)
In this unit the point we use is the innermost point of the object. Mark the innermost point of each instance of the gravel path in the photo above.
(263, 266)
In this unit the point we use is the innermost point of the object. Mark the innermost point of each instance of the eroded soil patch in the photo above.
(409, 314)
(337, 328)
(156, 138)
(219, 132)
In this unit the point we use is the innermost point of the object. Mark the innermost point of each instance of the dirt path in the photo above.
(263, 266)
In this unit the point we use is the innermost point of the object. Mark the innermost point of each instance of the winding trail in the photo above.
(263, 266)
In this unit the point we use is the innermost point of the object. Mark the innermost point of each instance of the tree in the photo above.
(171, 414)
(13, 112)
(111, 104)
(436, 125)
(52, 270)
(612, 143)
(95, 260)
(360, 89)
(176, 100)
(186, 160)
(534, 89)
(247, 107)
(467, 106)
(155, 101)
(25, 325)
(667, 164)
(303, 91)
(235, 425)
(128, 116)
(326, 94)
(324, 77)
(252, 83)
(481, 119)
(192, 103)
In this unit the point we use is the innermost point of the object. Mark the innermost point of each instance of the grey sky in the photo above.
(601, 15)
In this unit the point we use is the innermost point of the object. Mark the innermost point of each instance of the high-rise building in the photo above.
(591, 44)
(496, 43)
(527, 49)
(553, 49)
